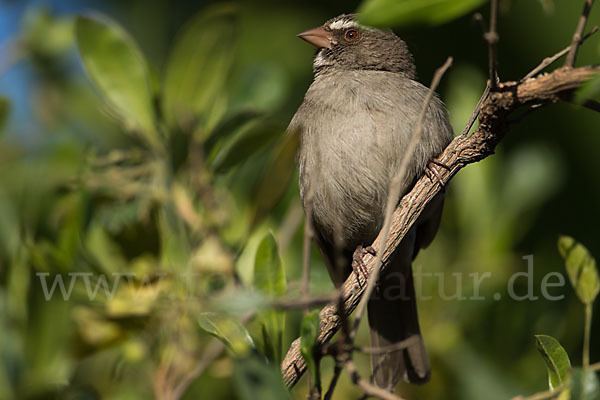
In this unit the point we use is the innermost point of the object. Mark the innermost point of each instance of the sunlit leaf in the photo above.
(199, 64)
(408, 12)
(589, 90)
(269, 278)
(556, 359)
(116, 65)
(4, 112)
(256, 380)
(584, 385)
(309, 331)
(93, 329)
(581, 268)
(229, 330)
(129, 295)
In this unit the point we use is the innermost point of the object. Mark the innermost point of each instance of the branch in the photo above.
(463, 150)
(491, 37)
(549, 60)
(368, 388)
(578, 35)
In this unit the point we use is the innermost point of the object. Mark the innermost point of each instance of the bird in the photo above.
(354, 126)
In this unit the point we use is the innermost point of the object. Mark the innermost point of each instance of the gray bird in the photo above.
(355, 123)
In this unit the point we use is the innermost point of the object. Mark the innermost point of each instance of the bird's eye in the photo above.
(351, 34)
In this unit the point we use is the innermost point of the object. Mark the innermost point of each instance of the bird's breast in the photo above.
(345, 172)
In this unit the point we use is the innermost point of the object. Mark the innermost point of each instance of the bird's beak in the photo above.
(318, 37)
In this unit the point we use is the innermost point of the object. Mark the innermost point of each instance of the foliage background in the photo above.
(80, 191)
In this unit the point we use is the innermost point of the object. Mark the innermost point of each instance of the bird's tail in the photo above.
(395, 328)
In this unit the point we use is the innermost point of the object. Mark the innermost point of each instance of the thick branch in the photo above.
(463, 150)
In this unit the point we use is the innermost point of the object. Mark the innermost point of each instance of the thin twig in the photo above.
(403, 344)
(337, 371)
(303, 302)
(549, 60)
(577, 36)
(545, 395)
(306, 246)
(491, 37)
(214, 348)
(394, 193)
(477, 109)
(289, 226)
(368, 388)
(592, 105)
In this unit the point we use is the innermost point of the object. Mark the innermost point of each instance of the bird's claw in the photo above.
(432, 172)
(358, 266)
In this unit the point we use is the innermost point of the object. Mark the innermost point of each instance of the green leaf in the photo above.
(309, 332)
(584, 385)
(116, 65)
(278, 174)
(269, 274)
(4, 111)
(589, 90)
(256, 380)
(581, 268)
(409, 12)
(230, 124)
(556, 359)
(229, 330)
(248, 140)
(199, 64)
(269, 278)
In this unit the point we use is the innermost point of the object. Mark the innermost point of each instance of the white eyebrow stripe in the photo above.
(343, 24)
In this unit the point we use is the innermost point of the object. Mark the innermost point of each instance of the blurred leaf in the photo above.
(278, 174)
(250, 138)
(465, 84)
(269, 278)
(114, 62)
(309, 331)
(229, 125)
(532, 173)
(93, 329)
(106, 252)
(584, 385)
(556, 359)
(589, 90)
(581, 268)
(116, 217)
(257, 380)
(4, 111)
(260, 86)
(229, 330)
(45, 34)
(175, 247)
(408, 12)
(133, 296)
(199, 64)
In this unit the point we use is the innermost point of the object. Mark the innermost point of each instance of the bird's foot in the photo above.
(432, 172)
(358, 266)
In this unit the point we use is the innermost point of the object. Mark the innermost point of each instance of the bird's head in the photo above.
(345, 44)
